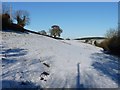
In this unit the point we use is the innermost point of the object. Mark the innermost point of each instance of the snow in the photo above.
(27, 57)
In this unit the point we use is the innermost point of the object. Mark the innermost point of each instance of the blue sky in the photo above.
(77, 19)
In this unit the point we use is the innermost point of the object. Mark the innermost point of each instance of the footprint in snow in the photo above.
(43, 75)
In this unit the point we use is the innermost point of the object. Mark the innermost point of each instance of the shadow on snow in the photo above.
(78, 85)
(108, 65)
(18, 85)
(14, 52)
(9, 56)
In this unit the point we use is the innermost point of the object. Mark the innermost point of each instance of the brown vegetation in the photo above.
(7, 24)
(112, 45)
(5, 20)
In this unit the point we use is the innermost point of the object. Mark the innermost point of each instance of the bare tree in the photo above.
(111, 33)
(22, 17)
(5, 9)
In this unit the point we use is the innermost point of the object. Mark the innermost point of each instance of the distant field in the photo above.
(91, 40)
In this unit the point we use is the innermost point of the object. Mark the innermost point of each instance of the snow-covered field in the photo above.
(35, 61)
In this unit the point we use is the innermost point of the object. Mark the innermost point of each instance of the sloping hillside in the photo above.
(35, 61)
